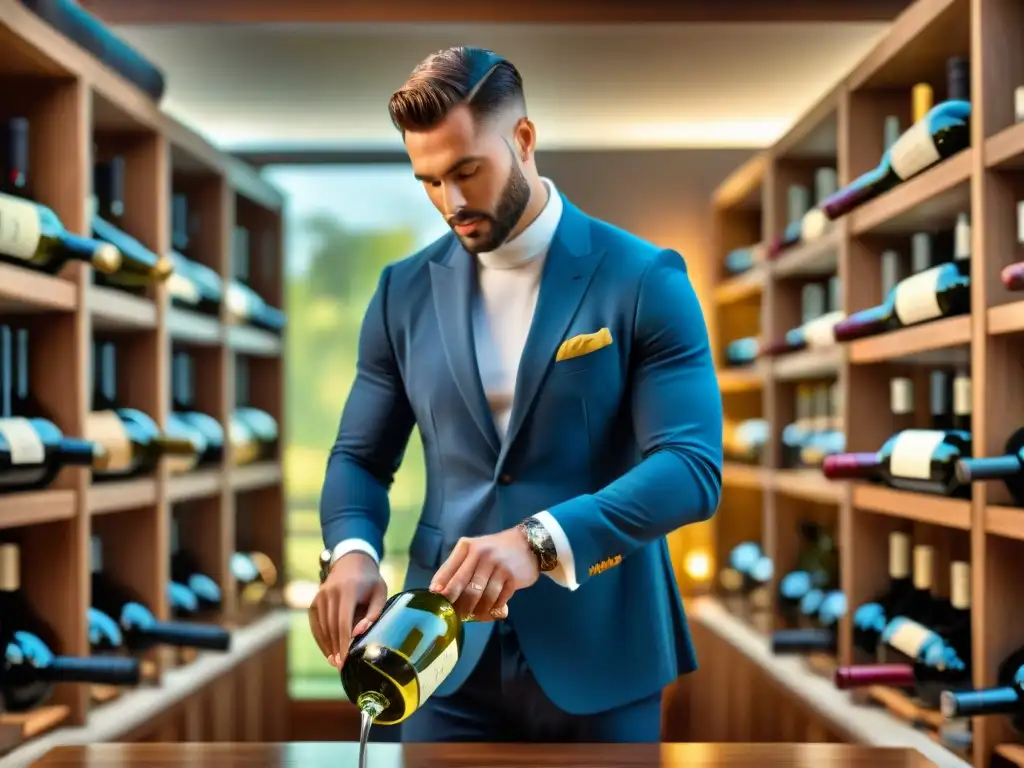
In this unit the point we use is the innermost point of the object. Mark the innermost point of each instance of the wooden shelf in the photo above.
(936, 196)
(844, 130)
(936, 510)
(245, 340)
(928, 343)
(80, 111)
(741, 380)
(808, 484)
(817, 258)
(741, 287)
(744, 476)
(809, 364)
(22, 291)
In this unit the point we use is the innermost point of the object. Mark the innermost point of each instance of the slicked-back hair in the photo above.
(476, 77)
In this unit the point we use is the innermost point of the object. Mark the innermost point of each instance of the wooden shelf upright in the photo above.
(987, 182)
(80, 112)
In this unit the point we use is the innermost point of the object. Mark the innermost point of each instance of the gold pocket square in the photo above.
(583, 344)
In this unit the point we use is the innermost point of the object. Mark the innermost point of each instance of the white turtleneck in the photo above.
(509, 282)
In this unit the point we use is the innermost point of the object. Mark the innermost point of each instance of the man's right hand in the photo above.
(350, 599)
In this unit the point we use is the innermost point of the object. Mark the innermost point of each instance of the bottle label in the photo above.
(107, 429)
(901, 396)
(914, 151)
(22, 439)
(436, 671)
(909, 637)
(960, 586)
(962, 396)
(819, 332)
(238, 303)
(182, 288)
(19, 228)
(899, 555)
(917, 297)
(912, 453)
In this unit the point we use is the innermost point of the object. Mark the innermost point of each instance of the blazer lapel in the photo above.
(568, 270)
(452, 282)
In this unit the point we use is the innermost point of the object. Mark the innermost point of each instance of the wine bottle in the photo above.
(183, 388)
(254, 575)
(891, 132)
(822, 610)
(740, 260)
(832, 439)
(182, 601)
(742, 352)
(917, 460)
(798, 201)
(941, 133)
(200, 288)
(260, 424)
(869, 619)
(908, 633)
(796, 435)
(963, 395)
(1009, 468)
(104, 634)
(940, 291)
(133, 442)
(33, 450)
(1005, 698)
(185, 570)
(32, 235)
(892, 272)
(901, 403)
(395, 666)
(732, 578)
(244, 304)
(812, 307)
(817, 568)
(140, 628)
(30, 667)
(140, 267)
(744, 441)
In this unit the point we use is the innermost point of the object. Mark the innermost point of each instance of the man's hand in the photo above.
(482, 573)
(353, 594)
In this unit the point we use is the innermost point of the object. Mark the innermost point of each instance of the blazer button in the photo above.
(505, 479)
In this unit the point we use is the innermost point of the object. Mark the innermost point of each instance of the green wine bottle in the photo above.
(395, 666)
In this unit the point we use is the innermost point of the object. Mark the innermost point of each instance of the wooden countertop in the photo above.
(483, 756)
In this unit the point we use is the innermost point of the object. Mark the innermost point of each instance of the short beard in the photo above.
(511, 206)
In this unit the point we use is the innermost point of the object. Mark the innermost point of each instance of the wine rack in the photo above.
(81, 113)
(845, 129)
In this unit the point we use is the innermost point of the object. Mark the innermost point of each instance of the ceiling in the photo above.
(587, 86)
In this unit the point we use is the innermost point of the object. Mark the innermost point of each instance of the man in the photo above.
(559, 372)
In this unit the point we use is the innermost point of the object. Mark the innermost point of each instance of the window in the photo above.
(344, 223)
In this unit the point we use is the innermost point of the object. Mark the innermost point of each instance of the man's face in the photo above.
(472, 177)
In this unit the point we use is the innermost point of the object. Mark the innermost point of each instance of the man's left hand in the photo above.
(482, 573)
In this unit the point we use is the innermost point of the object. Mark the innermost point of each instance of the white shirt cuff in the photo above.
(353, 545)
(565, 574)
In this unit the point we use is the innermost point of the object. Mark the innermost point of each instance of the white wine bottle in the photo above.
(395, 666)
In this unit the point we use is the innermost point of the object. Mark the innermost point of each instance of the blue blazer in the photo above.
(621, 445)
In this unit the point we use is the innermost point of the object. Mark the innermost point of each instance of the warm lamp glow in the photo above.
(698, 565)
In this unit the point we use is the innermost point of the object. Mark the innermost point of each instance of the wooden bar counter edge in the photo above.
(120, 717)
(344, 755)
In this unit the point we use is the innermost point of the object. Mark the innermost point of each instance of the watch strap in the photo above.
(541, 543)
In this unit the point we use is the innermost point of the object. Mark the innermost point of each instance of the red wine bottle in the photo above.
(1009, 468)
(185, 570)
(917, 460)
(141, 629)
(29, 666)
(869, 619)
(940, 291)
(941, 133)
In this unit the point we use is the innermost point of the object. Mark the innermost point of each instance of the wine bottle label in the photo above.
(914, 151)
(909, 638)
(182, 288)
(917, 297)
(960, 585)
(912, 453)
(436, 671)
(238, 303)
(962, 396)
(20, 231)
(107, 429)
(901, 396)
(899, 555)
(22, 439)
(820, 331)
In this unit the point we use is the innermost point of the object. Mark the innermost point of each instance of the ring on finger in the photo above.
(474, 587)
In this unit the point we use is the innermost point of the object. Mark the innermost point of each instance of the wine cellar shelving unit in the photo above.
(844, 130)
(80, 112)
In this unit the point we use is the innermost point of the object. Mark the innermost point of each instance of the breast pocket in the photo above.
(603, 357)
